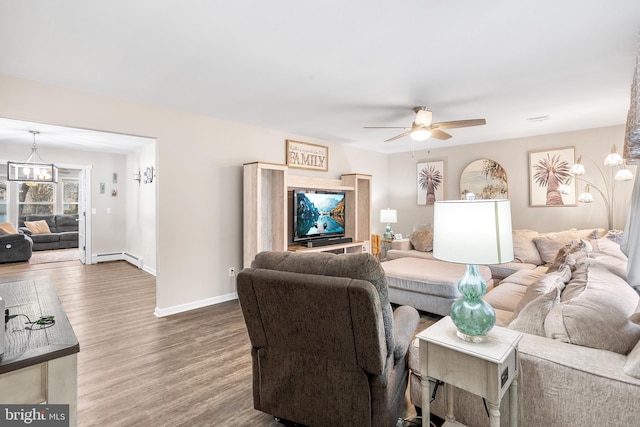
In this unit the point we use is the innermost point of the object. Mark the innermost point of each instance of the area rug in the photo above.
(59, 255)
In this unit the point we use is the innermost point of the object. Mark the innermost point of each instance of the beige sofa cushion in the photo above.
(524, 249)
(422, 240)
(38, 227)
(549, 244)
(594, 309)
(556, 279)
(609, 252)
(531, 318)
(570, 254)
(632, 365)
(8, 227)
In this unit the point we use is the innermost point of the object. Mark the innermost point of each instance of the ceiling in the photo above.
(326, 69)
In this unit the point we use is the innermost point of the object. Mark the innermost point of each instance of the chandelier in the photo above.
(33, 170)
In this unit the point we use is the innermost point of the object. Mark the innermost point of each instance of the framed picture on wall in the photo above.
(484, 179)
(550, 183)
(303, 155)
(430, 182)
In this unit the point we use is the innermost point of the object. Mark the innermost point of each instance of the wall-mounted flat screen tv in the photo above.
(317, 214)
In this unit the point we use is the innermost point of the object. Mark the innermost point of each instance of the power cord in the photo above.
(43, 322)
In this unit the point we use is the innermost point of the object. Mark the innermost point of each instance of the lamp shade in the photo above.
(473, 231)
(388, 216)
(613, 159)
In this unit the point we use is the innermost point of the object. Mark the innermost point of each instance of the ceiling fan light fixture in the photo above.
(420, 134)
(423, 117)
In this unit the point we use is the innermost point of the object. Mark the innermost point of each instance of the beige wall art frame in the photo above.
(430, 181)
(486, 179)
(303, 155)
(548, 170)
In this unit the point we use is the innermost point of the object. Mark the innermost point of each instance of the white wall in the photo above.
(141, 208)
(199, 185)
(513, 155)
(108, 229)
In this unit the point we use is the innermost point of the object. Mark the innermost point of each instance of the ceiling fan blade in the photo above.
(459, 124)
(439, 134)
(398, 136)
(385, 127)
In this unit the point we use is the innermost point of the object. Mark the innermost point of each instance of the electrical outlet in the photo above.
(232, 272)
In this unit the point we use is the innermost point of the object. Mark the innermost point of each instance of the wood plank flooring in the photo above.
(191, 369)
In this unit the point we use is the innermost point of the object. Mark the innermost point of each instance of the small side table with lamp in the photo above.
(388, 216)
(464, 350)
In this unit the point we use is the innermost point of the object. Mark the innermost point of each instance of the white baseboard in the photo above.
(162, 312)
(150, 270)
(118, 256)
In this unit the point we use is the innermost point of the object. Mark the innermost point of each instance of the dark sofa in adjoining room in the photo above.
(63, 231)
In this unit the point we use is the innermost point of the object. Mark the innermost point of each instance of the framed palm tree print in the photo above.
(430, 182)
(550, 183)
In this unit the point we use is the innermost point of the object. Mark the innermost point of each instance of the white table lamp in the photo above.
(388, 216)
(473, 232)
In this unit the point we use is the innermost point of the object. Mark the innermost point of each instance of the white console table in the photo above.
(487, 369)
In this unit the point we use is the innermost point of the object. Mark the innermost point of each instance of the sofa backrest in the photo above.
(68, 222)
(49, 219)
(361, 266)
(57, 223)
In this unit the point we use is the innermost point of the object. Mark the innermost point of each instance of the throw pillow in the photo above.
(531, 319)
(10, 229)
(38, 227)
(524, 249)
(569, 254)
(615, 236)
(549, 244)
(594, 310)
(422, 241)
(548, 282)
(591, 233)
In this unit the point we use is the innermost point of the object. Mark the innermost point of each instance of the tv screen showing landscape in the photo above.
(318, 215)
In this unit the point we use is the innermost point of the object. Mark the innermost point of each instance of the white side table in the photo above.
(487, 369)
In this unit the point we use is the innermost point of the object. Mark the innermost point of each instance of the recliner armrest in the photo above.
(12, 238)
(24, 230)
(405, 322)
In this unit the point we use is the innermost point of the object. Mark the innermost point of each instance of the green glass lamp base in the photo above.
(388, 234)
(472, 316)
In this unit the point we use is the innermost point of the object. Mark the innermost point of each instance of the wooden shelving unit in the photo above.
(266, 208)
(340, 248)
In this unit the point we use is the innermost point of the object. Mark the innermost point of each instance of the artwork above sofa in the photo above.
(50, 231)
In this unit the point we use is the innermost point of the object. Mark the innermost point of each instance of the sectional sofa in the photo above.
(579, 358)
(531, 249)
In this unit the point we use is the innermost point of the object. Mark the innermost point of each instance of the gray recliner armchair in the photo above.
(15, 247)
(327, 349)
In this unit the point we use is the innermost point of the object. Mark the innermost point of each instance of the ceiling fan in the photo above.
(422, 128)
